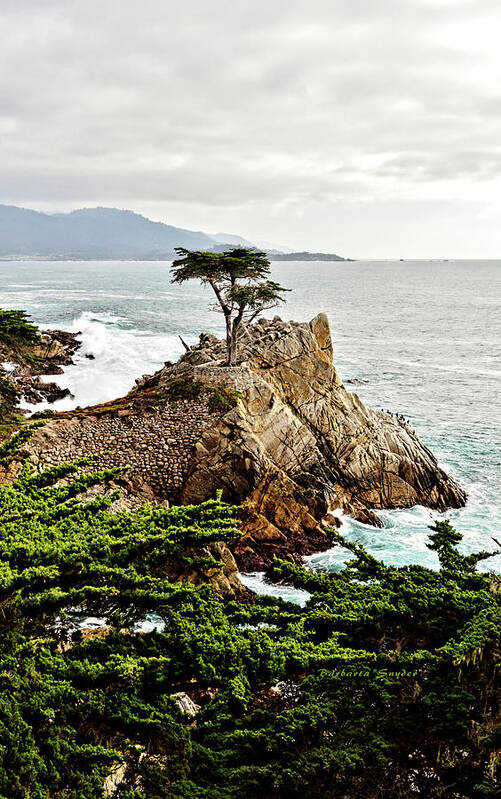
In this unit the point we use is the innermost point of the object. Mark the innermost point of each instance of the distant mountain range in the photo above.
(108, 234)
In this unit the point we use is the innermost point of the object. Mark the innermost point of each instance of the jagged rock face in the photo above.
(295, 446)
(26, 362)
(299, 445)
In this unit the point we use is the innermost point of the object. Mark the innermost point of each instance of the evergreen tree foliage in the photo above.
(17, 337)
(16, 327)
(386, 684)
(239, 278)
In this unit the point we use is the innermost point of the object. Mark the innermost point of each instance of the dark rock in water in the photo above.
(330, 520)
(279, 434)
(90, 356)
(35, 391)
(52, 369)
(28, 360)
(53, 392)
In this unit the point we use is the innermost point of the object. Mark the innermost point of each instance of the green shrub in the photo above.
(15, 326)
(384, 685)
(9, 393)
(219, 400)
(222, 400)
(184, 388)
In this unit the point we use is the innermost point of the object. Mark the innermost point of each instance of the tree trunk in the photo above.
(233, 342)
(229, 337)
(233, 348)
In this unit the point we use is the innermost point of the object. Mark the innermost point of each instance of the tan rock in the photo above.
(186, 704)
(115, 780)
(299, 444)
(295, 445)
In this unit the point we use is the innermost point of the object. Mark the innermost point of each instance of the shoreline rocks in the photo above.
(279, 435)
(299, 445)
(23, 365)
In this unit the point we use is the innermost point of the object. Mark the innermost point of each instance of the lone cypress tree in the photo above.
(239, 279)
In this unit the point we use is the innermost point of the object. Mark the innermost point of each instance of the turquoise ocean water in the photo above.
(421, 338)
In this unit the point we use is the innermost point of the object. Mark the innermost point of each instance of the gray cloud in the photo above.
(252, 115)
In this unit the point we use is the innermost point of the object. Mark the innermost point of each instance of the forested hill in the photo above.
(110, 234)
(101, 233)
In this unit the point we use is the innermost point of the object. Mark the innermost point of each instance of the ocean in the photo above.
(421, 338)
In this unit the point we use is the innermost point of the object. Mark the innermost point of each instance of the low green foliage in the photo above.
(384, 685)
(17, 337)
(9, 392)
(9, 399)
(47, 413)
(15, 326)
(219, 400)
(222, 399)
(184, 388)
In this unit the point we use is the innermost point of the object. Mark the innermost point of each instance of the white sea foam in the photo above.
(77, 619)
(153, 623)
(119, 356)
(255, 581)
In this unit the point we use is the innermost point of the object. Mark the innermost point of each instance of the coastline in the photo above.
(272, 439)
(24, 365)
(405, 362)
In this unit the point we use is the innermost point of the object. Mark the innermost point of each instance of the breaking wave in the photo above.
(112, 355)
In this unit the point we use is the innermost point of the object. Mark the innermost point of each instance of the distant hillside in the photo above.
(235, 241)
(306, 256)
(99, 233)
(108, 234)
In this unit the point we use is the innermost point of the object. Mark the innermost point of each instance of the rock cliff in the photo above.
(299, 445)
(279, 434)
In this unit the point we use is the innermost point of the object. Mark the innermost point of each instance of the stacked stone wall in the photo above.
(238, 378)
(156, 446)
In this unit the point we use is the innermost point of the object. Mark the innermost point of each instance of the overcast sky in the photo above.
(371, 128)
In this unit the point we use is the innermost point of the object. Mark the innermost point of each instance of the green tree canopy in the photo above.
(385, 684)
(239, 279)
(15, 327)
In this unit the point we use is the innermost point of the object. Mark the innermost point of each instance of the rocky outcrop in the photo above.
(299, 445)
(56, 349)
(21, 365)
(222, 575)
(279, 435)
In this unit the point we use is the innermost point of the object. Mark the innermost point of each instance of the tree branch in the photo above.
(222, 303)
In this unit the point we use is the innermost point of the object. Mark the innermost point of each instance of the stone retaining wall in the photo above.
(157, 446)
(238, 378)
